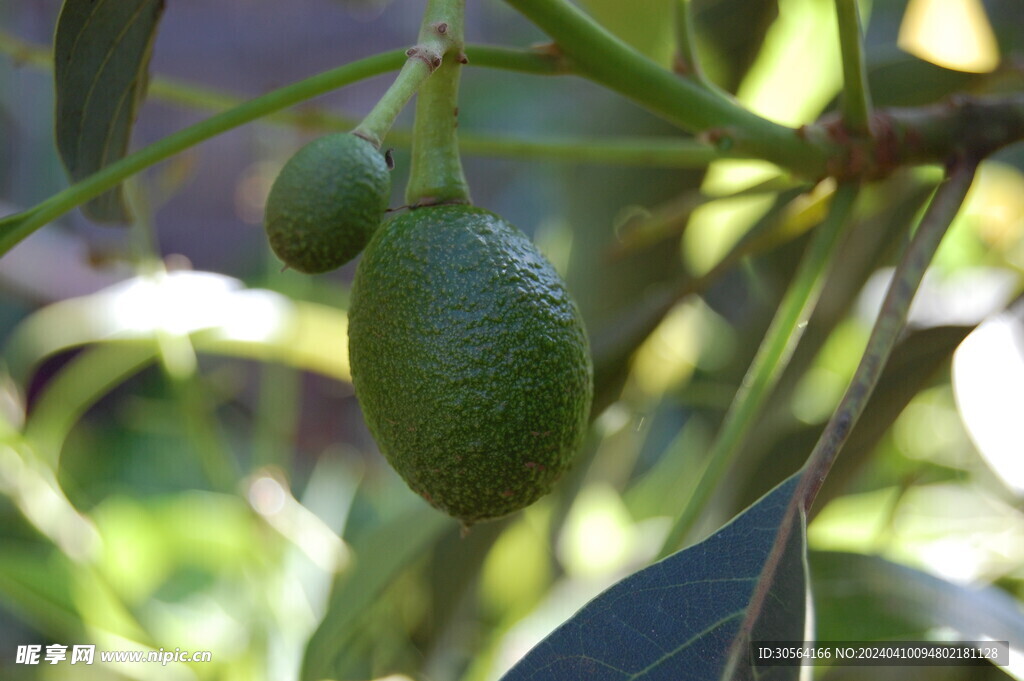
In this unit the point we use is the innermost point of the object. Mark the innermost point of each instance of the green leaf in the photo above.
(684, 617)
(862, 597)
(101, 56)
(381, 555)
(36, 582)
(890, 72)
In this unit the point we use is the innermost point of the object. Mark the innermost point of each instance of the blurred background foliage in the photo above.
(183, 463)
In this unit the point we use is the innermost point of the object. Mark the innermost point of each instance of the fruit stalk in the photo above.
(436, 173)
(378, 122)
(437, 37)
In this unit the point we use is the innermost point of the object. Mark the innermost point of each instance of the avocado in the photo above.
(469, 359)
(326, 203)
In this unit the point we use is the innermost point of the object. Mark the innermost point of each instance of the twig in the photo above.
(891, 319)
(771, 358)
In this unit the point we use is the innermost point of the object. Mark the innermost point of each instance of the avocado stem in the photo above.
(436, 38)
(374, 128)
(436, 174)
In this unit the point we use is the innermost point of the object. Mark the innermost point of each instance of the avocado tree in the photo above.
(692, 419)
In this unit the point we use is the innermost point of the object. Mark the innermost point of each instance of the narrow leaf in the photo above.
(380, 557)
(681, 617)
(101, 57)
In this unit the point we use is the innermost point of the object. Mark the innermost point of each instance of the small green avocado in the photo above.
(326, 203)
(469, 359)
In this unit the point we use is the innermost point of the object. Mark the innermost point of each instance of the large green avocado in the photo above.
(469, 359)
(326, 203)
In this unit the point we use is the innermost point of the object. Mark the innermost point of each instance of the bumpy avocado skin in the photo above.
(327, 202)
(469, 359)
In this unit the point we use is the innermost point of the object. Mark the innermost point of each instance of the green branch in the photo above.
(14, 228)
(663, 152)
(856, 97)
(771, 358)
(961, 126)
(595, 53)
(536, 62)
(890, 322)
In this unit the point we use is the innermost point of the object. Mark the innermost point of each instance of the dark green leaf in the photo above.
(734, 44)
(683, 617)
(101, 56)
(861, 597)
(888, 78)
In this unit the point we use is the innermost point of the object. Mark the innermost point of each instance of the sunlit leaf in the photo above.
(128, 320)
(951, 33)
(220, 314)
(801, 41)
(101, 57)
(988, 375)
(32, 486)
(104, 612)
(614, 342)
(683, 617)
(642, 25)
